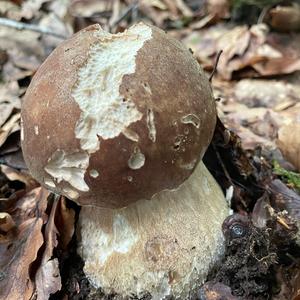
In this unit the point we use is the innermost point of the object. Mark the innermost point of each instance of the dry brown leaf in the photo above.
(244, 48)
(265, 93)
(219, 8)
(285, 18)
(10, 10)
(9, 100)
(249, 139)
(12, 125)
(47, 277)
(116, 12)
(156, 14)
(204, 43)
(14, 159)
(6, 222)
(22, 176)
(31, 8)
(289, 143)
(19, 250)
(183, 8)
(57, 25)
(176, 8)
(205, 21)
(24, 41)
(88, 8)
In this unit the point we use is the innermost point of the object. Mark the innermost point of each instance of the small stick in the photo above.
(31, 27)
(215, 66)
(124, 14)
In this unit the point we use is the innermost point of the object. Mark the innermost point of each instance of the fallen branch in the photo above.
(32, 27)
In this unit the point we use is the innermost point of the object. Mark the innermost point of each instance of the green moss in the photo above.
(292, 178)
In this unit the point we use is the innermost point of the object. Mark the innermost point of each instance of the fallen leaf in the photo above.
(183, 8)
(204, 43)
(47, 277)
(11, 126)
(260, 213)
(31, 8)
(289, 143)
(265, 93)
(253, 50)
(19, 250)
(285, 18)
(219, 8)
(6, 222)
(88, 8)
(285, 198)
(21, 176)
(9, 100)
(57, 25)
(287, 63)
(14, 160)
(156, 13)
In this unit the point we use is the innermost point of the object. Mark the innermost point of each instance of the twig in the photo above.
(263, 14)
(32, 27)
(215, 66)
(222, 164)
(124, 14)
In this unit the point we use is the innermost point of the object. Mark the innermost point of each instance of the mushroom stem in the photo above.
(165, 246)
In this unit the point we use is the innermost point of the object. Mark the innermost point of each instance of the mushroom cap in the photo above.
(111, 119)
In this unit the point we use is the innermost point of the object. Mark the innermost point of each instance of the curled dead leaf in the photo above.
(9, 100)
(47, 277)
(285, 18)
(265, 93)
(6, 222)
(19, 250)
(289, 143)
(219, 8)
(21, 176)
(11, 126)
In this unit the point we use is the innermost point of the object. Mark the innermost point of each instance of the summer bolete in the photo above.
(119, 123)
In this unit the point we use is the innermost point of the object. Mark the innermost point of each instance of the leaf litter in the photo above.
(254, 154)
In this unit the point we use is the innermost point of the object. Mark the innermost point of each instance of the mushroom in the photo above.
(119, 124)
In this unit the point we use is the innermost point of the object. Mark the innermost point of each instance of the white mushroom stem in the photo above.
(165, 246)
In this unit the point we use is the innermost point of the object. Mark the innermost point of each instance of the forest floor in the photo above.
(254, 47)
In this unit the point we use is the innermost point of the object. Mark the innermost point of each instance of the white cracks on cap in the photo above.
(151, 125)
(103, 112)
(131, 135)
(147, 88)
(188, 166)
(136, 160)
(94, 173)
(22, 130)
(71, 193)
(36, 130)
(49, 182)
(191, 119)
(69, 167)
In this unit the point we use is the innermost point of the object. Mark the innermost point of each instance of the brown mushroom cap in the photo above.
(111, 119)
